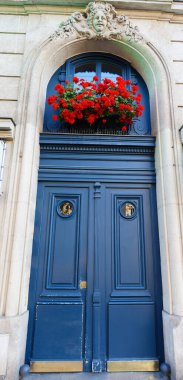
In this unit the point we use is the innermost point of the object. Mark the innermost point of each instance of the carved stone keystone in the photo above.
(99, 21)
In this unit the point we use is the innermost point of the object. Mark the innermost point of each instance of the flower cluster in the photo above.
(93, 101)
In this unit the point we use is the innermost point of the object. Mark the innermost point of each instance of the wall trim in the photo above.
(7, 128)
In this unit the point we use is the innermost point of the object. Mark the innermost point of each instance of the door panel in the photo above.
(129, 252)
(128, 246)
(131, 331)
(64, 238)
(60, 254)
(58, 332)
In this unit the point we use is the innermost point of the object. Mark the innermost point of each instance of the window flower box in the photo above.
(96, 107)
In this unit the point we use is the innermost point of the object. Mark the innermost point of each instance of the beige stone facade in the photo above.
(27, 61)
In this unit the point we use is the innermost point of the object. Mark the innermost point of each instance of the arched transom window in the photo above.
(104, 66)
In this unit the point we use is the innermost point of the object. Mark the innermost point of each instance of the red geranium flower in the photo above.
(75, 79)
(57, 86)
(134, 89)
(91, 119)
(55, 117)
(55, 106)
(51, 99)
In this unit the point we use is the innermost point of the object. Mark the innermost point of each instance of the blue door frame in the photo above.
(95, 290)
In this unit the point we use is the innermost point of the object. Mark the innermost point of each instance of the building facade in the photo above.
(42, 42)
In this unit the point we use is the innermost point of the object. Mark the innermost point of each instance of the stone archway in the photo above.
(38, 70)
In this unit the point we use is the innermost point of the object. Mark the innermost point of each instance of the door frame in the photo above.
(134, 153)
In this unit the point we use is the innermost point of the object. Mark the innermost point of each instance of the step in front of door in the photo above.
(96, 376)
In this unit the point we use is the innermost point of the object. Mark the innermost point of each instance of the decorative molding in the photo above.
(99, 21)
(156, 10)
(97, 140)
(181, 134)
(96, 149)
(7, 127)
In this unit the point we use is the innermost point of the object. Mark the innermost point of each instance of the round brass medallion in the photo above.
(128, 210)
(66, 208)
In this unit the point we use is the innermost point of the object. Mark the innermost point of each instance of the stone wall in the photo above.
(23, 31)
(19, 34)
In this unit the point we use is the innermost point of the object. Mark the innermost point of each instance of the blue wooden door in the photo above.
(59, 265)
(95, 289)
(131, 277)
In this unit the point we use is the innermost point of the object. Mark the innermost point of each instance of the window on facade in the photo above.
(86, 71)
(104, 66)
(108, 70)
(102, 70)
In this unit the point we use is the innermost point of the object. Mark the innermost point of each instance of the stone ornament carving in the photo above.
(99, 21)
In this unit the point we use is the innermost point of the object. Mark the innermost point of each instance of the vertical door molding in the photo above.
(97, 363)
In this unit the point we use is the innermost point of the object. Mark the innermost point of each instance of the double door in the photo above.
(95, 293)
